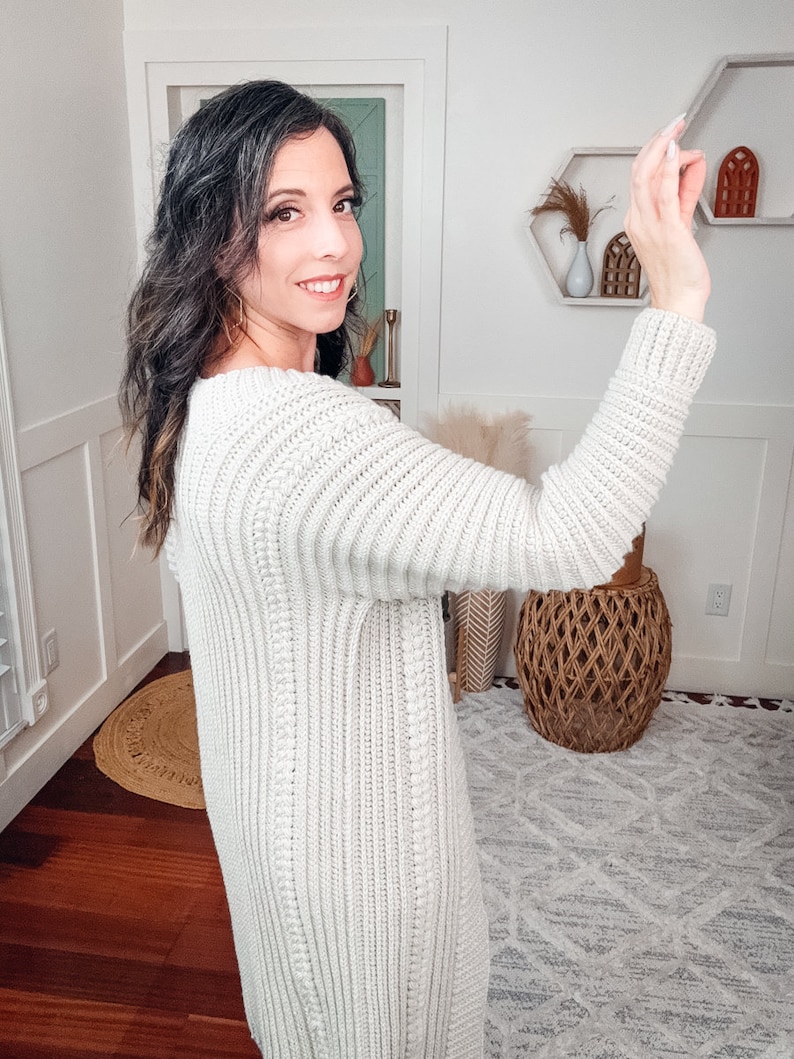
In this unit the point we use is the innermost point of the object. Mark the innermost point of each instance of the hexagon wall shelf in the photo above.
(603, 172)
(747, 102)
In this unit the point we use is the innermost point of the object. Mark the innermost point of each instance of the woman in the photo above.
(314, 535)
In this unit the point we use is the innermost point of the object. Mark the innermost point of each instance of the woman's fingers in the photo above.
(666, 182)
(675, 126)
(651, 174)
(655, 148)
(666, 179)
(693, 176)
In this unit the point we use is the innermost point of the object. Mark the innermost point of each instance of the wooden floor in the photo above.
(114, 931)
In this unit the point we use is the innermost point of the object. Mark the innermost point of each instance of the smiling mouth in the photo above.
(324, 286)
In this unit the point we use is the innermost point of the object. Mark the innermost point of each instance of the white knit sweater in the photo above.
(313, 537)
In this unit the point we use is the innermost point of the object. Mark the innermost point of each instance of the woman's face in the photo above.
(309, 246)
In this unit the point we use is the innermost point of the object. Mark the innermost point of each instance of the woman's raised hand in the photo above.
(666, 182)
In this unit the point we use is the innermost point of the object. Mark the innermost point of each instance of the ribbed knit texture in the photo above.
(313, 537)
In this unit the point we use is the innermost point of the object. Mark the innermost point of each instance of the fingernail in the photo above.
(669, 128)
(685, 167)
(671, 150)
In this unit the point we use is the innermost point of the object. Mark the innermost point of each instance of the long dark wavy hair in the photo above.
(212, 199)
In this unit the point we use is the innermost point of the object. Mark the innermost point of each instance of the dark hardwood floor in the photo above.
(114, 931)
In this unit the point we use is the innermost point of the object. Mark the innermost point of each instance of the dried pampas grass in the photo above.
(573, 205)
(501, 440)
(371, 336)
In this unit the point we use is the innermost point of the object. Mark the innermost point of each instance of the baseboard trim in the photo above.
(727, 676)
(25, 777)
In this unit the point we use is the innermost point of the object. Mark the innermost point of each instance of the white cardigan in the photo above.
(313, 537)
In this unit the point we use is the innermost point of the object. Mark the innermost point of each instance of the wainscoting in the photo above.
(726, 515)
(103, 601)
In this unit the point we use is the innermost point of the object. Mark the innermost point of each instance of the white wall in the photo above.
(67, 257)
(526, 83)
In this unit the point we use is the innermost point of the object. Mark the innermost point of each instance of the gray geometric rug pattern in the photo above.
(641, 903)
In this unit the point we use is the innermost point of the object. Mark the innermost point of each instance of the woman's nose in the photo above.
(335, 235)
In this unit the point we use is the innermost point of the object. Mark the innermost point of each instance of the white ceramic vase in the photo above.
(579, 281)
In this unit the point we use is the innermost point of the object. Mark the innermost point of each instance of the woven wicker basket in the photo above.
(592, 664)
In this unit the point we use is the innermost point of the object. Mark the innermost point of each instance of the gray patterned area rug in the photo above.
(641, 903)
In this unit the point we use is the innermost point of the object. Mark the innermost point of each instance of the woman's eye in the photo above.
(345, 206)
(284, 214)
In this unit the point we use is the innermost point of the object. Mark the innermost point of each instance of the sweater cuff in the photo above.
(667, 346)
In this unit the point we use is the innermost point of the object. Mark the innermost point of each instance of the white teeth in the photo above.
(327, 286)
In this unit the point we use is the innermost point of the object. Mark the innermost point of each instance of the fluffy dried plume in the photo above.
(573, 205)
(370, 337)
(500, 440)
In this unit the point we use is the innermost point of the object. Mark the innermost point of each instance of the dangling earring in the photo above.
(240, 316)
(241, 311)
(353, 291)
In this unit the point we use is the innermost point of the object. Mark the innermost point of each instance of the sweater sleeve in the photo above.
(382, 511)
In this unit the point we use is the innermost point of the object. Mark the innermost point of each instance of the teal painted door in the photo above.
(366, 119)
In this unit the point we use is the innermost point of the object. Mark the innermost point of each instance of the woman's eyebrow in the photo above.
(348, 189)
(292, 192)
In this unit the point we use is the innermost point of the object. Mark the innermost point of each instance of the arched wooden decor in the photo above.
(620, 275)
(737, 184)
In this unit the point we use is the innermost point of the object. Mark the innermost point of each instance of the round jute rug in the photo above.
(149, 744)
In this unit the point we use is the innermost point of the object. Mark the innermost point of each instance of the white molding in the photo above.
(101, 548)
(413, 58)
(172, 606)
(31, 683)
(730, 676)
(27, 773)
(770, 523)
(52, 437)
(710, 419)
(749, 670)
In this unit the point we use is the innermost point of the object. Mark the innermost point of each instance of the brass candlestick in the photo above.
(390, 380)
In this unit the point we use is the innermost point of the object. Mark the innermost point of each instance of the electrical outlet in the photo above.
(718, 600)
(49, 648)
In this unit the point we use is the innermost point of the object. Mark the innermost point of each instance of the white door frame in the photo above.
(30, 675)
(412, 58)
